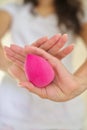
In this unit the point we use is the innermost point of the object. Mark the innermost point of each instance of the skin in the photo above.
(75, 84)
(17, 54)
(65, 85)
(5, 23)
(45, 7)
(46, 2)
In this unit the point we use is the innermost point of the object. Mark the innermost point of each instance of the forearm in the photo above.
(4, 63)
(5, 22)
(81, 73)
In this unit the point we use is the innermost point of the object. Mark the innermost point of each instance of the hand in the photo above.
(53, 46)
(62, 89)
(17, 54)
(65, 85)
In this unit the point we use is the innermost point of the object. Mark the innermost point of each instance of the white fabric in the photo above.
(21, 110)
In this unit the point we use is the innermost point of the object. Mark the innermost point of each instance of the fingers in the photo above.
(58, 67)
(54, 45)
(9, 53)
(12, 57)
(59, 44)
(39, 42)
(13, 53)
(20, 64)
(44, 43)
(34, 50)
(17, 53)
(66, 51)
(18, 50)
(52, 41)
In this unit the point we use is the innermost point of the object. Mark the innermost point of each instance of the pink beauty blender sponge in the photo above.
(38, 71)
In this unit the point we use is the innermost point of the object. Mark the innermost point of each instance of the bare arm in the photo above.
(73, 85)
(65, 85)
(83, 33)
(82, 71)
(82, 76)
(5, 22)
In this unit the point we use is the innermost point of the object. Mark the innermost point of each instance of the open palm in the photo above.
(53, 46)
(63, 87)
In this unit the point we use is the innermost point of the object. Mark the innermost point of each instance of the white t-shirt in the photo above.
(21, 110)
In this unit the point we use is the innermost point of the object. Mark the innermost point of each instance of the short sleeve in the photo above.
(11, 8)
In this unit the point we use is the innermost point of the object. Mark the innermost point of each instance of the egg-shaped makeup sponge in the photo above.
(38, 71)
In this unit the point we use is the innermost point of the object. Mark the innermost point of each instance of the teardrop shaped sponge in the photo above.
(38, 71)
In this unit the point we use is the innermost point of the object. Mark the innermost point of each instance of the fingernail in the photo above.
(57, 35)
(66, 35)
(45, 37)
(20, 84)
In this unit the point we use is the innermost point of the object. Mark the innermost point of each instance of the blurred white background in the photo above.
(78, 58)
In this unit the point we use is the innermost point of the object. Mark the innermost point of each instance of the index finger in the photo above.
(34, 50)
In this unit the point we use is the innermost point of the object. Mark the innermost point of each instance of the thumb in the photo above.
(55, 62)
(34, 50)
(28, 85)
(57, 65)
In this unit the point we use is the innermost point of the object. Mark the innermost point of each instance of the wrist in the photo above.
(82, 81)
